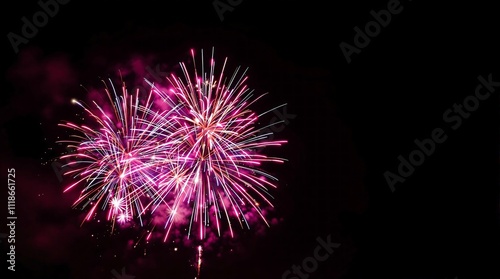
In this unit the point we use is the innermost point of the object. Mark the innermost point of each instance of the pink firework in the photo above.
(216, 169)
(115, 156)
(191, 152)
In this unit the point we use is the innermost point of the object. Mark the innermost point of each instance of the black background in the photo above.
(352, 122)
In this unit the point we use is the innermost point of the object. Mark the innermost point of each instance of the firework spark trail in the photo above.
(198, 266)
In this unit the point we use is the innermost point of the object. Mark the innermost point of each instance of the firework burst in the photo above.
(198, 152)
(216, 158)
(114, 156)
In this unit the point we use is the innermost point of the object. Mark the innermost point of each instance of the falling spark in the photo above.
(200, 253)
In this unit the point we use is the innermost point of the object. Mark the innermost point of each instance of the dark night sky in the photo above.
(352, 122)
